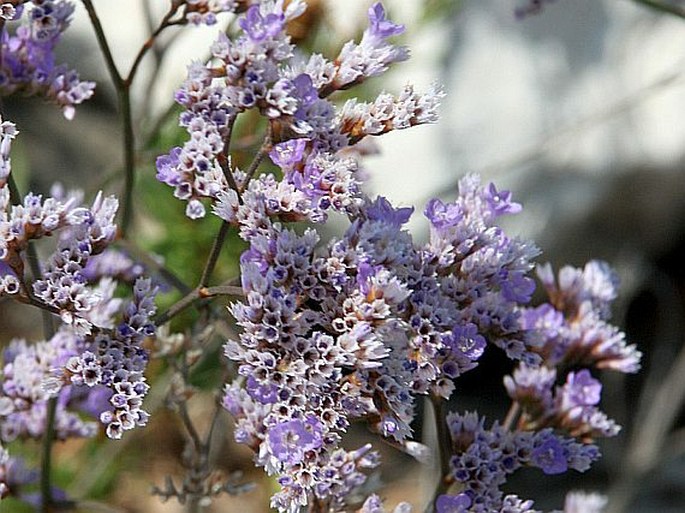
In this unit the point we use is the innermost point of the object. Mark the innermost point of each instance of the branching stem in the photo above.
(122, 85)
(227, 289)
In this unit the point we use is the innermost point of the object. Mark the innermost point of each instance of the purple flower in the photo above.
(290, 440)
(500, 202)
(452, 503)
(259, 27)
(167, 166)
(467, 340)
(305, 90)
(265, 394)
(285, 155)
(382, 210)
(581, 389)
(544, 318)
(379, 25)
(550, 456)
(443, 215)
(517, 287)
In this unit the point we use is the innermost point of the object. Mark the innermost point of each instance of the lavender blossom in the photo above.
(485, 457)
(575, 321)
(116, 360)
(363, 326)
(374, 504)
(371, 57)
(24, 395)
(28, 62)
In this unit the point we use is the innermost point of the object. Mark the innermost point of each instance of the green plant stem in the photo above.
(46, 457)
(129, 158)
(223, 230)
(439, 410)
(103, 44)
(663, 7)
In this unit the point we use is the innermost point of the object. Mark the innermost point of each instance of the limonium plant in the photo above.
(356, 329)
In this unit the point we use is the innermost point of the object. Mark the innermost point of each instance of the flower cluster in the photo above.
(373, 504)
(572, 332)
(109, 364)
(576, 333)
(355, 330)
(28, 64)
(24, 398)
(574, 323)
(358, 328)
(93, 348)
(116, 361)
(258, 70)
(484, 458)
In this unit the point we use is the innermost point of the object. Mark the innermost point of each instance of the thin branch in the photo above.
(46, 457)
(190, 427)
(512, 415)
(166, 22)
(214, 253)
(663, 7)
(148, 260)
(212, 426)
(223, 160)
(444, 441)
(104, 45)
(123, 89)
(252, 168)
(129, 157)
(264, 150)
(195, 295)
(222, 290)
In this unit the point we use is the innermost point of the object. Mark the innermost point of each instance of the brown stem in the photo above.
(148, 260)
(512, 415)
(217, 245)
(166, 22)
(195, 295)
(264, 150)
